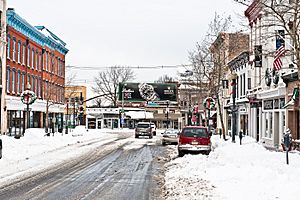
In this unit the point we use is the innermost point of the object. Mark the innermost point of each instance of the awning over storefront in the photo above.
(293, 99)
(139, 114)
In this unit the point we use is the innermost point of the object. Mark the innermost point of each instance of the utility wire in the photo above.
(131, 67)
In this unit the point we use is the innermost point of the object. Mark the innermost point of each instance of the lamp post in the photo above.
(167, 110)
(234, 109)
(122, 111)
(28, 97)
(67, 121)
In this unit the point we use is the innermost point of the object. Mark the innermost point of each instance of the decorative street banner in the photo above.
(139, 92)
(209, 103)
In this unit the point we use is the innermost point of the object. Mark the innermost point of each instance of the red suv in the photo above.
(194, 139)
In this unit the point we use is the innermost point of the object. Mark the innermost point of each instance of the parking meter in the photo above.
(287, 140)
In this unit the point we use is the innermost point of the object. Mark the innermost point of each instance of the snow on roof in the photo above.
(49, 34)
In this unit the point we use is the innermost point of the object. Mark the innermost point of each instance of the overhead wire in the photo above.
(96, 68)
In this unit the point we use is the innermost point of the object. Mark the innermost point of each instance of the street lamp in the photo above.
(167, 110)
(67, 117)
(234, 109)
(122, 111)
(28, 97)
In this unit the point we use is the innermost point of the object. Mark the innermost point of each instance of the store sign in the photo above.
(141, 92)
(268, 104)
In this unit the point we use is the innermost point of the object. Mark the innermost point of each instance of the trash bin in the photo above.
(0, 148)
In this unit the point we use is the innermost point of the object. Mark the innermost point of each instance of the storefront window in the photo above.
(267, 124)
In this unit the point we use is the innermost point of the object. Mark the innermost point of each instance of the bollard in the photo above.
(241, 137)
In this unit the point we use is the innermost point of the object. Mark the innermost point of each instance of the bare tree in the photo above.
(165, 79)
(210, 58)
(107, 82)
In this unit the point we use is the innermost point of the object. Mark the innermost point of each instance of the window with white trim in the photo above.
(23, 81)
(23, 53)
(19, 51)
(13, 78)
(8, 46)
(28, 57)
(14, 50)
(8, 80)
(18, 82)
(32, 58)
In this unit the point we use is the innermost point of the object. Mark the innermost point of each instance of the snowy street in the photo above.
(231, 171)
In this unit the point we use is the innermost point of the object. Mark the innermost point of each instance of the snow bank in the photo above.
(234, 171)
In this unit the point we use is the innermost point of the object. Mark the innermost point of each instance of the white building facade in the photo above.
(267, 91)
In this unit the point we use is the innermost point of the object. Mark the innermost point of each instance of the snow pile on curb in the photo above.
(233, 171)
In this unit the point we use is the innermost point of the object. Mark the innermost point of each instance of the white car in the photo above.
(170, 136)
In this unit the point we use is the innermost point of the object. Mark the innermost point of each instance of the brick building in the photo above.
(35, 56)
(2, 64)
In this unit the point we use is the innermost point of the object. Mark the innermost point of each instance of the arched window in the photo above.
(32, 58)
(28, 57)
(19, 51)
(23, 53)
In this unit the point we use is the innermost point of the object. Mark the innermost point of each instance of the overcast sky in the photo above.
(103, 33)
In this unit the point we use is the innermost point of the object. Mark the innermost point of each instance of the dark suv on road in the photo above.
(143, 129)
(194, 139)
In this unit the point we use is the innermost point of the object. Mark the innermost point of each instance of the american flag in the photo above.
(277, 64)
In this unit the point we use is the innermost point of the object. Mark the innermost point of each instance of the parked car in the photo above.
(143, 129)
(153, 126)
(194, 139)
(170, 136)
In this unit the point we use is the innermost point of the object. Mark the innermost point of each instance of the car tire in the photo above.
(154, 133)
(163, 143)
(136, 136)
(180, 153)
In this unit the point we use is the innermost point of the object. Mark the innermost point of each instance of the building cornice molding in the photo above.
(22, 26)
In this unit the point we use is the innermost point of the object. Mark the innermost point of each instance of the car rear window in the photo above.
(194, 132)
(143, 126)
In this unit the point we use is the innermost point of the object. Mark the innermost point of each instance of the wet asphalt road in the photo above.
(118, 172)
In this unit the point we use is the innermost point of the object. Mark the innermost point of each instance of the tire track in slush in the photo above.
(115, 174)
